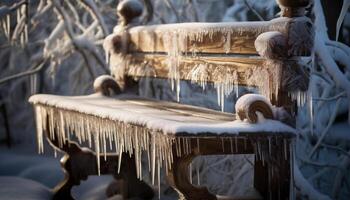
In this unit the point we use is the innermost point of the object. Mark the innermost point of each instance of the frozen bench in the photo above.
(261, 54)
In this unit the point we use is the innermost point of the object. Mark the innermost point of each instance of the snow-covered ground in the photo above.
(28, 176)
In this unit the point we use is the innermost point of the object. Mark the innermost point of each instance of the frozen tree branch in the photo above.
(325, 131)
(305, 187)
(36, 69)
(149, 11)
(92, 8)
(193, 6)
(172, 8)
(79, 44)
(5, 10)
(341, 95)
(344, 10)
(253, 10)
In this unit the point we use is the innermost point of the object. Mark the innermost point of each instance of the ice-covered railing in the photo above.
(262, 54)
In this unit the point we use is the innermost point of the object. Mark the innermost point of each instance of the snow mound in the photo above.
(22, 189)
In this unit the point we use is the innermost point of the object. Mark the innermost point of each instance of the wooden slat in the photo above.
(182, 109)
(216, 66)
(202, 37)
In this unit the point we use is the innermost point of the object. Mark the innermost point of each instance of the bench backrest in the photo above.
(262, 54)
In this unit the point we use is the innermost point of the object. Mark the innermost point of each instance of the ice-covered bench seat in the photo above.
(167, 131)
(115, 126)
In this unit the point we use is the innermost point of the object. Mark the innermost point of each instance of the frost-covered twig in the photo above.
(36, 69)
(325, 131)
(343, 12)
(336, 148)
(336, 97)
(78, 43)
(193, 5)
(253, 10)
(172, 8)
(5, 10)
(338, 179)
(149, 11)
(305, 187)
(92, 8)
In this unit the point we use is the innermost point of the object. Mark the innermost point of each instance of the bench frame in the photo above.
(270, 187)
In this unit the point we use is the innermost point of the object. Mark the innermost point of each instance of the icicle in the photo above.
(107, 57)
(191, 180)
(227, 45)
(226, 81)
(104, 146)
(223, 144)
(178, 89)
(311, 111)
(269, 140)
(158, 170)
(198, 145)
(153, 149)
(97, 151)
(39, 128)
(120, 155)
(236, 144)
(8, 26)
(198, 175)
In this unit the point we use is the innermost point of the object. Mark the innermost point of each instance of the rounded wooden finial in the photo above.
(106, 85)
(272, 45)
(128, 10)
(293, 8)
(248, 105)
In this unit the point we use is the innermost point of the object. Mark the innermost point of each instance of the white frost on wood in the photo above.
(101, 79)
(154, 119)
(246, 100)
(271, 45)
(132, 126)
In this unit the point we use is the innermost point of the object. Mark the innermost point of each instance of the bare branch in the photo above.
(92, 8)
(171, 6)
(254, 11)
(36, 69)
(336, 97)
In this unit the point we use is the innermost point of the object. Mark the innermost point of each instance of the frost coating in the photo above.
(111, 124)
(248, 99)
(271, 45)
(99, 80)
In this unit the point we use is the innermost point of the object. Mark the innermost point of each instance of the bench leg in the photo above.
(272, 178)
(127, 184)
(79, 163)
(178, 178)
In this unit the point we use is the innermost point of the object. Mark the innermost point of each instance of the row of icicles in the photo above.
(226, 80)
(105, 135)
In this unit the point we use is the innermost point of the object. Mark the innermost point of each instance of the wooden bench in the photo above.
(261, 54)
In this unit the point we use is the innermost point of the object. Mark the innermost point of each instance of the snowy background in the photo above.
(41, 51)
